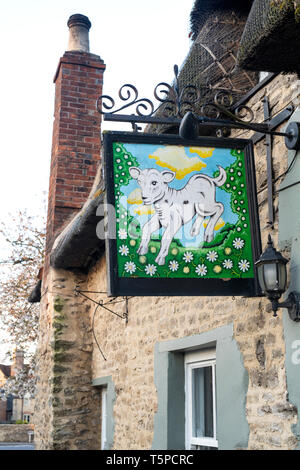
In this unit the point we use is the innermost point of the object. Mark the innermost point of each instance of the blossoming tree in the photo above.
(22, 240)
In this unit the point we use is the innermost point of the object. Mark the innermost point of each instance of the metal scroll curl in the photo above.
(129, 94)
(175, 101)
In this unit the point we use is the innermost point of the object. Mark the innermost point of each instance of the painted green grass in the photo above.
(182, 262)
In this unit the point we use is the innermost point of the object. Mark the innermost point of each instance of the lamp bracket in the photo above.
(293, 306)
(292, 140)
(189, 123)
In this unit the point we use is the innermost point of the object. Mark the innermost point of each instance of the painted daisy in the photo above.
(173, 265)
(122, 234)
(150, 269)
(212, 256)
(201, 270)
(130, 267)
(188, 257)
(227, 264)
(238, 243)
(244, 265)
(124, 250)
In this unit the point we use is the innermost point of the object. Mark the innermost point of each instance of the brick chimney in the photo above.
(76, 129)
(18, 362)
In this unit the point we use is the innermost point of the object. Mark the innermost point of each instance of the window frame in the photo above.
(197, 360)
(103, 418)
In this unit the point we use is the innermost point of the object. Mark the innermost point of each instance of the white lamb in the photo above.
(174, 208)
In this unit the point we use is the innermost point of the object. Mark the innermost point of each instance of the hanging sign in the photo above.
(182, 216)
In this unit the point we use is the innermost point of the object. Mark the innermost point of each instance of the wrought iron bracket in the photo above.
(103, 305)
(180, 106)
(269, 143)
(189, 128)
(171, 103)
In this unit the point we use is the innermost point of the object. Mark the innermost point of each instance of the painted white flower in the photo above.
(188, 256)
(124, 250)
(227, 264)
(130, 267)
(244, 265)
(212, 256)
(150, 269)
(201, 270)
(122, 234)
(173, 265)
(238, 243)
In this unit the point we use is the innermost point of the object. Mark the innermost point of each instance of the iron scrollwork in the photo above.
(174, 102)
(129, 94)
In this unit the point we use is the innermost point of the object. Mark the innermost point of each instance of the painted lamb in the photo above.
(174, 208)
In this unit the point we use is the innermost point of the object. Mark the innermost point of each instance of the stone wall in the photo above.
(14, 432)
(67, 406)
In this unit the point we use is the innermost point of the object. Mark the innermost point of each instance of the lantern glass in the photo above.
(282, 277)
(261, 280)
(270, 276)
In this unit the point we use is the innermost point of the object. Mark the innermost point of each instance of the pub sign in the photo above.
(182, 216)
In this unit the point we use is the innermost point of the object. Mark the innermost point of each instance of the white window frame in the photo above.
(195, 360)
(103, 417)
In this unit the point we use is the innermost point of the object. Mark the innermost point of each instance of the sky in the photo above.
(140, 42)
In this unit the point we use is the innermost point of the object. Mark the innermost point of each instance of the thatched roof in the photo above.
(203, 9)
(80, 248)
(271, 39)
(211, 64)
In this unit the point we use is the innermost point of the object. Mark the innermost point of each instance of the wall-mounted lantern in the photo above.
(272, 277)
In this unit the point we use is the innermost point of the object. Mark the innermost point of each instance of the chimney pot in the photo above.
(79, 26)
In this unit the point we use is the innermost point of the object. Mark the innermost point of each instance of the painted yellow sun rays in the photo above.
(175, 159)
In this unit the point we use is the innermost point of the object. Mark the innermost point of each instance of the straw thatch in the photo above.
(203, 9)
(271, 39)
(211, 64)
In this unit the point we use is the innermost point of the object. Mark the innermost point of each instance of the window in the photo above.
(107, 396)
(26, 418)
(103, 418)
(200, 400)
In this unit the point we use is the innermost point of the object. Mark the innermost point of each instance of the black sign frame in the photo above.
(135, 286)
